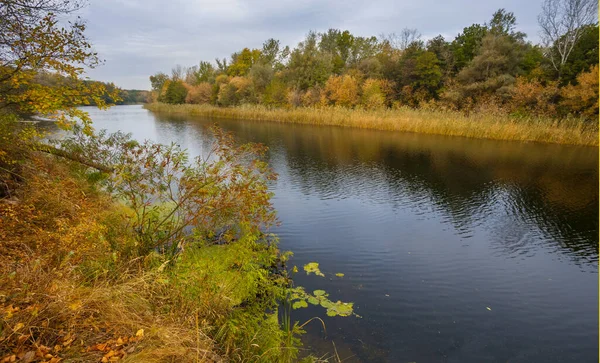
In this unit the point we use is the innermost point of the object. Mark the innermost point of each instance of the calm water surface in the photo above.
(453, 250)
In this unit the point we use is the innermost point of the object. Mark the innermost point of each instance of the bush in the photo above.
(199, 94)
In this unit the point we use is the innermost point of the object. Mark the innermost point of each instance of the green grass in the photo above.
(475, 125)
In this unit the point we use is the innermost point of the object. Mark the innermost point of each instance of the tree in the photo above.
(199, 94)
(429, 75)
(32, 41)
(403, 40)
(583, 56)
(563, 23)
(504, 23)
(492, 72)
(308, 66)
(176, 92)
(241, 62)
(465, 45)
(372, 94)
(270, 52)
(342, 90)
(441, 48)
(157, 81)
(261, 75)
(583, 98)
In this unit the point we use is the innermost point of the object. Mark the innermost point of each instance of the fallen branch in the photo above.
(73, 157)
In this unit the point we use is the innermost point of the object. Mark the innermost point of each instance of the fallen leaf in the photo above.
(487, 307)
(140, 333)
(28, 357)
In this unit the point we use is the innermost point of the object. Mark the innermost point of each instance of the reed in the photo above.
(475, 125)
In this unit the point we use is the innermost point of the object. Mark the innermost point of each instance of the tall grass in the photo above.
(475, 125)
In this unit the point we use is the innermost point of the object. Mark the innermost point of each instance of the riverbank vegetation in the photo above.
(487, 75)
(475, 125)
(114, 249)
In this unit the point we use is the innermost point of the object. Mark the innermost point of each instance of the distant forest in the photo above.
(488, 67)
(125, 96)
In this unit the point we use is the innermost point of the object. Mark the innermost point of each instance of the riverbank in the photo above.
(484, 126)
(85, 276)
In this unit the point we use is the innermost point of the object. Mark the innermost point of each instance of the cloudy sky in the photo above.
(137, 38)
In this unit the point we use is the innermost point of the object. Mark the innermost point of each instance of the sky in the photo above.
(137, 38)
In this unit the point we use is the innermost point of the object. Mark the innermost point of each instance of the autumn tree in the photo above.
(342, 90)
(242, 61)
(582, 98)
(199, 94)
(33, 40)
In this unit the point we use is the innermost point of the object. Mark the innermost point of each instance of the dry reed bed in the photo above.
(476, 125)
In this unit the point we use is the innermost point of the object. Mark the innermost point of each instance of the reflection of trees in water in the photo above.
(550, 186)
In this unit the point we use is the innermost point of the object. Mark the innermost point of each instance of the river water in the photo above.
(453, 249)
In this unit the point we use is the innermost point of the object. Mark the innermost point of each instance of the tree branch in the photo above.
(73, 157)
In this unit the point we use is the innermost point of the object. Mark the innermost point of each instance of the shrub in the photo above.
(199, 94)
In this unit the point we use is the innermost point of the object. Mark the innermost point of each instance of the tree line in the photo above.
(488, 67)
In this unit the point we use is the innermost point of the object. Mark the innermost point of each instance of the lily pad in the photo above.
(299, 304)
(313, 267)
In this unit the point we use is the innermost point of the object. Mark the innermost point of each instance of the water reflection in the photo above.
(430, 231)
(549, 187)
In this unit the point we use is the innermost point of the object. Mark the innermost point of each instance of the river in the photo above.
(452, 249)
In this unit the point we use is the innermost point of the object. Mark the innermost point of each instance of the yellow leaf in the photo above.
(140, 333)
(18, 326)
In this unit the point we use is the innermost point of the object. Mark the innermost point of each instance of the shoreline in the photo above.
(449, 123)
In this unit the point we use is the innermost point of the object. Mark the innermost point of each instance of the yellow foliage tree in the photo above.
(582, 98)
(342, 90)
(33, 42)
(534, 98)
(199, 94)
(372, 94)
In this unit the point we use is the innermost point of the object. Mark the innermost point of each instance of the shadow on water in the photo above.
(453, 249)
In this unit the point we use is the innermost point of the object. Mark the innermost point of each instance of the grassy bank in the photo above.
(475, 125)
(85, 277)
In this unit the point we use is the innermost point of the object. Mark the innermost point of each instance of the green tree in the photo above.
(428, 73)
(158, 80)
(176, 92)
(583, 56)
(465, 45)
(494, 69)
(261, 75)
(442, 50)
(504, 23)
(308, 66)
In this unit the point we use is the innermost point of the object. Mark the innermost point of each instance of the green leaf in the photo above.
(313, 300)
(339, 274)
(319, 292)
(299, 304)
